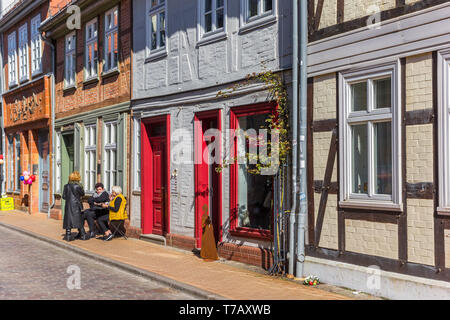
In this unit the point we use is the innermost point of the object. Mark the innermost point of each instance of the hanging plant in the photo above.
(276, 122)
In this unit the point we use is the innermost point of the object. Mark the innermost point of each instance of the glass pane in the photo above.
(162, 33)
(359, 159)
(153, 32)
(219, 4)
(267, 5)
(208, 5)
(382, 93)
(220, 20)
(359, 96)
(208, 22)
(252, 8)
(383, 158)
(254, 191)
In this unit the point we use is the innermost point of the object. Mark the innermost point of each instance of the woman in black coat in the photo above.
(73, 219)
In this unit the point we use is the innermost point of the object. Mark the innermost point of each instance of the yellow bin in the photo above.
(7, 204)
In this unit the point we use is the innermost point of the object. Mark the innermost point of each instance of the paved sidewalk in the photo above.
(180, 269)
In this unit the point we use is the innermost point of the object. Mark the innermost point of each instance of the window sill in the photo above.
(257, 23)
(110, 73)
(12, 85)
(443, 211)
(372, 205)
(156, 55)
(264, 235)
(36, 73)
(90, 81)
(69, 88)
(23, 80)
(211, 38)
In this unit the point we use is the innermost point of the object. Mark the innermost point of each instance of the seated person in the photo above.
(117, 212)
(96, 209)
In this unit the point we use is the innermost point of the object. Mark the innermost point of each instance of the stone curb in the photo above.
(174, 284)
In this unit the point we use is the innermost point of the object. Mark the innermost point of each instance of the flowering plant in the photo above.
(311, 281)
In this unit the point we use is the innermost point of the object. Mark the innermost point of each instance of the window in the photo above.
(370, 131)
(90, 160)
(137, 154)
(111, 39)
(91, 50)
(444, 130)
(10, 163)
(157, 26)
(12, 59)
(70, 61)
(36, 46)
(253, 10)
(251, 194)
(110, 155)
(23, 53)
(212, 17)
(58, 164)
(18, 167)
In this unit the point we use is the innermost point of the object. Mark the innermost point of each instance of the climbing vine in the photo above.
(276, 122)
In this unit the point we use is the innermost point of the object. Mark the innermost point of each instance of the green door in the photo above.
(67, 161)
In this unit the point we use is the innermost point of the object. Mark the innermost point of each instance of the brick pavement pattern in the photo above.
(34, 270)
(218, 278)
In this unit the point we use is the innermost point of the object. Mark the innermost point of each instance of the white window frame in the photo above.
(36, 46)
(70, 61)
(90, 148)
(137, 154)
(263, 18)
(216, 33)
(12, 59)
(110, 31)
(160, 51)
(93, 72)
(443, 74)
(109, 146)
(347, 118)
(23, 54)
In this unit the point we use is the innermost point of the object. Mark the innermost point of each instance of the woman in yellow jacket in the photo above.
(117, 209)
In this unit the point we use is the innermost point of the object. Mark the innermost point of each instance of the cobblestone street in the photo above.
(31, 269)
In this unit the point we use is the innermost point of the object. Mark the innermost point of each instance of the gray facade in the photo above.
(185, 80)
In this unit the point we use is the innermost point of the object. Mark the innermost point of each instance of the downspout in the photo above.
(303, 135)
(52, 151)
(294, 137)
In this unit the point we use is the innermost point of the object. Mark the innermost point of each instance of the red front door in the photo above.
(158, 192)
(208, 189)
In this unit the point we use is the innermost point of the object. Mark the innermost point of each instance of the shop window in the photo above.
(18, 165)
(90, 157)
(137, 154)
(251, 194)
(111, 39)
(10, 163)
(370, 144)
(110, 155)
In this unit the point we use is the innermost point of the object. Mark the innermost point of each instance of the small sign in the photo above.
(7, 204)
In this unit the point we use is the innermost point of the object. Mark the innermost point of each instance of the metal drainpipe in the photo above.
(52, 151)
(303, 134)
(294, 136)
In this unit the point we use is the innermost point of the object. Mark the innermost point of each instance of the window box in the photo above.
(370, 132)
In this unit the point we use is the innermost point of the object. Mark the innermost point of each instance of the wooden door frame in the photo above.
(146, 171)
(217, 114)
